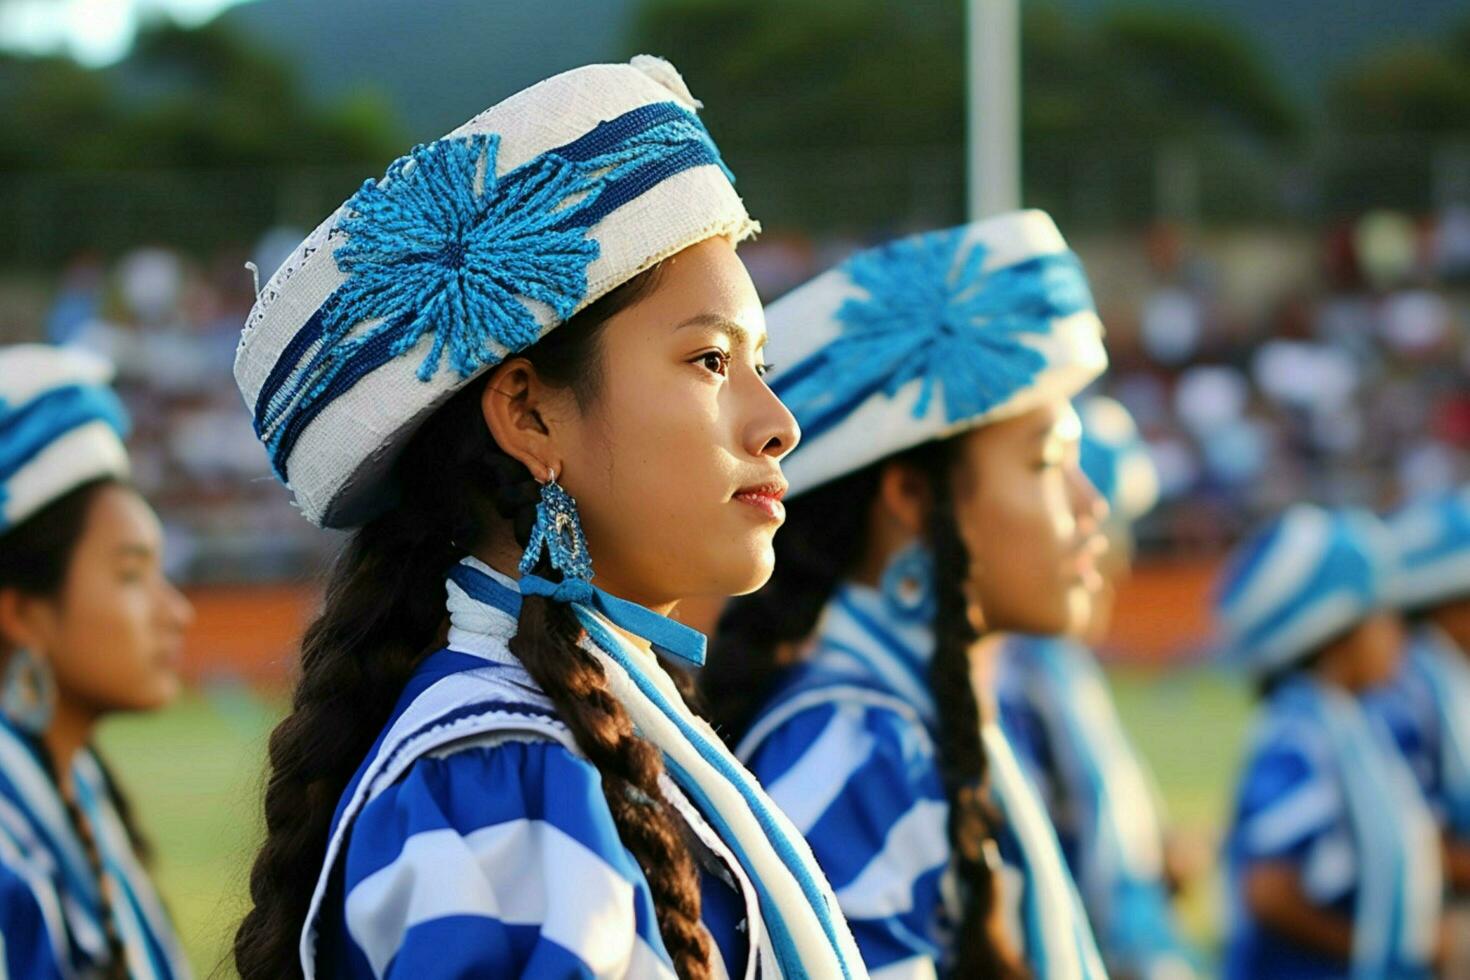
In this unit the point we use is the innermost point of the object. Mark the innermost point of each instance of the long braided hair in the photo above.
(384, 612)
(759, 635)
(35, 557)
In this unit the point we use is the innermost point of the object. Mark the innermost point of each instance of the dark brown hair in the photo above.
(384, 612)
(824, 537)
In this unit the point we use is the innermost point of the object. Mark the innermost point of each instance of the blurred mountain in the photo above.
(438, 62)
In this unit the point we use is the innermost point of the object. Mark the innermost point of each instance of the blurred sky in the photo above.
(94, 32)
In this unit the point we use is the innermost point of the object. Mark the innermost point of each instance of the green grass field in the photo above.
(195, 773)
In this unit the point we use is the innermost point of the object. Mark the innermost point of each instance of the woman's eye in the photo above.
(761, 370)
(717, 362)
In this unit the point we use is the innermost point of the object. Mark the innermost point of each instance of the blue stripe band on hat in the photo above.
(1343, 573)
(823, 390)
(28, 430)
(1432, 537)
(621, 159)
(1308, 574)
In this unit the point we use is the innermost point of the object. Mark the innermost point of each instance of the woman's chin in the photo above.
(748, 569)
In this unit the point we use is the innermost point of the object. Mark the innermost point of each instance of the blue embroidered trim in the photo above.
(931, 314)
(428, 254)
(36, 424)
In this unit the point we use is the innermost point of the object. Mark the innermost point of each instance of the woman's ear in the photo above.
(515, 406)
(905, 494)
(21, 622)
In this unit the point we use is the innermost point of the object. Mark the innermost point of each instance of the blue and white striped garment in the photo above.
(1324, 790)
(1427, 708)
(1058, 714)
(476, 840)
(51, 922)
(846, 748)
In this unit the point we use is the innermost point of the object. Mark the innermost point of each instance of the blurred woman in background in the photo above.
(89, 627)
(1058, 713)
(530, 348)
(939, 500)
(1427, 707)
(1334, 862)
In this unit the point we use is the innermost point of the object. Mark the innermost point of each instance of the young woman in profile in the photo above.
(1057, 711)
(89, 627)
(528, 352)
(937, 500)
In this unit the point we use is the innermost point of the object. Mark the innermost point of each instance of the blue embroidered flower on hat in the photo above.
(456, 247)
(918, 338)
(931, 314)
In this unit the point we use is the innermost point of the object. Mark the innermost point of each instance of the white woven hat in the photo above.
(928, 336)
(1305, 577)
(469, 249)
(60, 426)
(1431, 539)
(1116, 459)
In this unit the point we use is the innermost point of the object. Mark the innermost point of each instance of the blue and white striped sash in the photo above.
(1399, 878)
(1119, 860)
(38, 843)
(1448, 672)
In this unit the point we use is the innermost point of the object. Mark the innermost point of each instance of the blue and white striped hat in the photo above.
(1432, 550)
(471, 248)
(1306, 577)
(928, 336)
(1116, 459)
(60, 426)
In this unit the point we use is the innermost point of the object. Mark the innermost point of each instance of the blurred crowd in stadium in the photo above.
(1262, 368)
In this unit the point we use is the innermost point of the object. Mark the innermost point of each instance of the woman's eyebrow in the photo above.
(741, 336)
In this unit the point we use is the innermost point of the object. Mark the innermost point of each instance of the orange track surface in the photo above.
(253, 632)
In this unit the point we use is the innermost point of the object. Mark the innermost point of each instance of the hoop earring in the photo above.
(908, 585)
(28, 697)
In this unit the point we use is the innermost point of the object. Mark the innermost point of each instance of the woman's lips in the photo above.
(765, 498)
(1084, 566)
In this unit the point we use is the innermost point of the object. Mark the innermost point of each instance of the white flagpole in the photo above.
(993, 106)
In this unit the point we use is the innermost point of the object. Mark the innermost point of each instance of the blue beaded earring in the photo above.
(28, 696)
(558, 532)
(908, 585)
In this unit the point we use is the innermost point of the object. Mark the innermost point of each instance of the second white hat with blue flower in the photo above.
(469, 249)
(927, 336)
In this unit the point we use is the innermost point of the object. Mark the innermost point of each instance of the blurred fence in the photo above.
(1093, 184)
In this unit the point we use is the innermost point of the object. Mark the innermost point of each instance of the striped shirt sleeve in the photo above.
(860, 783)
(1287, 804)
(497, 860)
